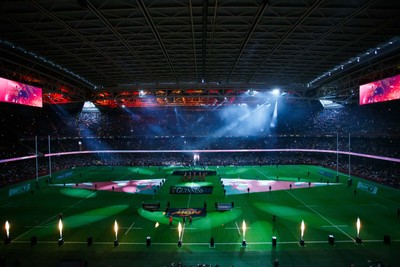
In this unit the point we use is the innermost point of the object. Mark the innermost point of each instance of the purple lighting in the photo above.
(210, 151)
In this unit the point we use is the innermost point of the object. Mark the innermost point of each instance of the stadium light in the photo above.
(276, 92)
(251, 92)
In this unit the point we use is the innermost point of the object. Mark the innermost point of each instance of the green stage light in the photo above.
(195, 184)
(283, 211)
(262, 228)
(142, 171)
(213, 218)
(78, 192)
(93, 216)
(155, 216)
(218, 218)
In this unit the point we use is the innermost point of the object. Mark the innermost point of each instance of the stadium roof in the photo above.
(192, 52)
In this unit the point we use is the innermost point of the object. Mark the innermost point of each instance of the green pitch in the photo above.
(92, 199)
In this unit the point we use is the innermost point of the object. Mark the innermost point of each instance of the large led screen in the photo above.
(20, 93)
(380, 91)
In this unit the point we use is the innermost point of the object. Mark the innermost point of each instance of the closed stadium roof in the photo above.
(192, 52)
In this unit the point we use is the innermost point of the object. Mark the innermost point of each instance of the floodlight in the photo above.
(251, 92)
(276, 92)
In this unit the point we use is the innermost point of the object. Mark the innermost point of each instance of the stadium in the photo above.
(199, 133)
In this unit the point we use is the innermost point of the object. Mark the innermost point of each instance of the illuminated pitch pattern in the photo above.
(242, 186)
(132, 187)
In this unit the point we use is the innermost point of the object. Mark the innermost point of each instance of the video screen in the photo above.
(20, 93)
(380, 91)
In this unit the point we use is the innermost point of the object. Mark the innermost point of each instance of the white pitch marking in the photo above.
(237, 227)
(39, 226)
(316, 212)
(206, 244)
(380, 205)
(234, 228)
(51, 218)
(130, 227)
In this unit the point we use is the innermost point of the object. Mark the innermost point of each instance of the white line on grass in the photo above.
(319, 214)
(187, 206)
(237, 227)
(37, 226)
(380, 205)
(234, 228)
(196, 244)
(130, 227)
(261, 172)
(51, 218)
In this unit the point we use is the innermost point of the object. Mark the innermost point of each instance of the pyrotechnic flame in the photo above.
(244, 229)
(179, 230)
(60, 227)
(358, 226)
(7, 226)
(116, 229)
(302, 228)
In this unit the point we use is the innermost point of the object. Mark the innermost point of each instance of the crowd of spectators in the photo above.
(371, 130)
(376, 170)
